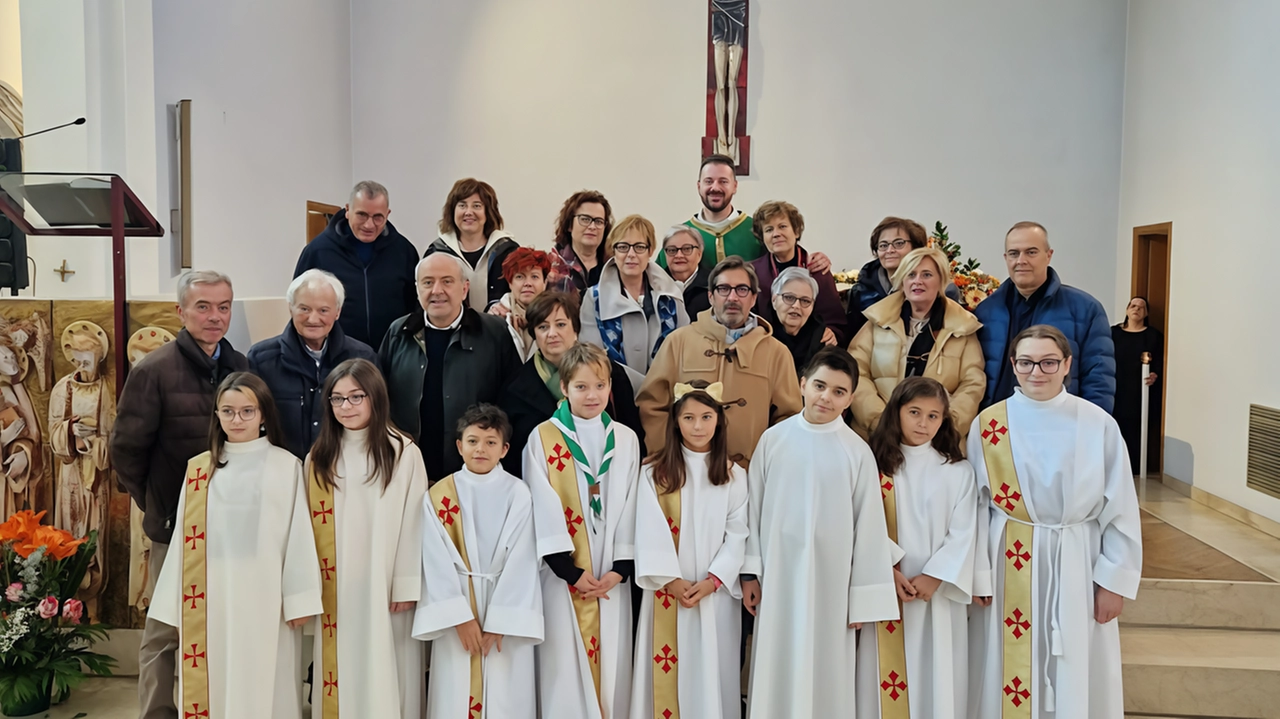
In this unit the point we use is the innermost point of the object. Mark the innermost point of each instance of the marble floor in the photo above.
(1182, 539)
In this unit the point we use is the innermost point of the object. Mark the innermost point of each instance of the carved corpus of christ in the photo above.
(726, 127)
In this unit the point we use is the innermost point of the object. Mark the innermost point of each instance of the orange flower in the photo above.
(58, 543)
(20, 526)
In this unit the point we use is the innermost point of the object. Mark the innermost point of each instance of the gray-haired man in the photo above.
(163, 421)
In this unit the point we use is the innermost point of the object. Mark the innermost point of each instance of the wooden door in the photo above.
(318, 216)
(1151, 261)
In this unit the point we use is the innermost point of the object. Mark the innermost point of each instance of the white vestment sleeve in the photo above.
(406, 582)
(166, 599)
(982, 562)
(751, 561)
(444, 602)
(1119, 565)
(624, 542)
(548, 513)
(657, 562)
(728, 560)
(515, 606)
(872, 593)
(300, 584)
(953, 561)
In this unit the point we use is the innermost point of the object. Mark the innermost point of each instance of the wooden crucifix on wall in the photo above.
(727, 83)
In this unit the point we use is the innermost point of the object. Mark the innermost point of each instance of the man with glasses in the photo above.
(163, 421)
(731, 346)
(443, 358)
(373, 261)
(295, 363)
(1035, 296)
(682, 253)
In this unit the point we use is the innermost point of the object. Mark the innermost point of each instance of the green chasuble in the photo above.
(735, 239)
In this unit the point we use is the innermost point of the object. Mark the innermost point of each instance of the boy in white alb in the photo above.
(480, 572)
(818, 545)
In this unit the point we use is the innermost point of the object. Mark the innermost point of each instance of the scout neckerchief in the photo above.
(1006, 495)
(563, 477)
(324, 526)
(444, 499)
(666, 688)
(195, 673)
(891, 648)
(563, 419)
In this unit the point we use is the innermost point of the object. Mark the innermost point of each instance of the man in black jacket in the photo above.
(295, 363)
(163, 421)
(442, 359)
(374, 263)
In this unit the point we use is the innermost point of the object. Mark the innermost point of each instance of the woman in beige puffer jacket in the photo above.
(883, 347)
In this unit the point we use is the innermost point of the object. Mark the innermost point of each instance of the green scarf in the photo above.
(563, 420)
(550, 375)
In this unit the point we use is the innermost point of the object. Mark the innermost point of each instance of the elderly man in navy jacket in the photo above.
(374, 263)
(1034, 295)
(295, 363)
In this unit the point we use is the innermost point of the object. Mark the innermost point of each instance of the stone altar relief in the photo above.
(25, 348)
(82, 411)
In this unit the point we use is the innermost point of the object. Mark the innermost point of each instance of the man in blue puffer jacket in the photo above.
(1033, 296)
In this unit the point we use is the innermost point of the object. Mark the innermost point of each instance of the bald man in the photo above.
(441, 360)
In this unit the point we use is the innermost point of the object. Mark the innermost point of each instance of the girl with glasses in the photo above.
(1059, 543)
(241, 576)
(366, 481)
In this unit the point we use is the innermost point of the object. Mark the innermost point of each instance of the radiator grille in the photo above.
(1264, 450)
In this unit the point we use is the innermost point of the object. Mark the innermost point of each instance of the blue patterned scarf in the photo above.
(611, 330)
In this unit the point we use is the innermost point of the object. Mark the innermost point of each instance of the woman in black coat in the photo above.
(1132, 338)
(531, 397)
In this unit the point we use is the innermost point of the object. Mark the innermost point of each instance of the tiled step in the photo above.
(1204, 604)
(1201, 672)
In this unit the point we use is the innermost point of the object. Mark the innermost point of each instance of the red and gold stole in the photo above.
(195, 673)
(891, 646)
(666, 683)
(1006, 494)
(564, 480)
(444, 499)
(324, 526)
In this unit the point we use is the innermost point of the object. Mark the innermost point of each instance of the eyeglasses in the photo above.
(589, 221)
(363, 217)
(622, 248)
(1030, 253)
(739, 290)
(790, 299)
(684, 250)
(896, 244)
(248, 414)
(1048, 366)
(338, 400)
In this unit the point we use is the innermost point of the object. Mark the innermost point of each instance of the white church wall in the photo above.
(1202, 149)
(979, 114)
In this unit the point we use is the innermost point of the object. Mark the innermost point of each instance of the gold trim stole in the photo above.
(324, 525)
(444, 499)
(195, 676)
(891, 647)
(666, 686)
(719, 234)
(1006, 495)
(563, 475)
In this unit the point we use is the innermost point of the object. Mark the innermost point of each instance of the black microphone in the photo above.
(77, 121)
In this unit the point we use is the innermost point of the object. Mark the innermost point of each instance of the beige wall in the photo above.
(10, 45)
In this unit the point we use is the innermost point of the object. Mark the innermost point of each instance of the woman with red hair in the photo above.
(525, 270)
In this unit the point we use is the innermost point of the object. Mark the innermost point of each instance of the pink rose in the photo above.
(48, 608)
(73, 610)
(14, 592)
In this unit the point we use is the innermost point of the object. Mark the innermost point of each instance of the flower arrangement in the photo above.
(974, 284)
(45, 638)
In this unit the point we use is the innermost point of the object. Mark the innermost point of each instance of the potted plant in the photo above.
(46, 641)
